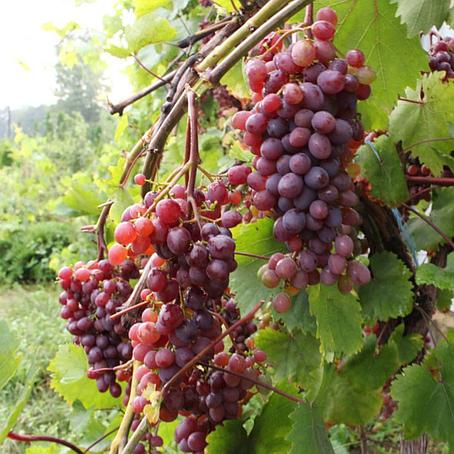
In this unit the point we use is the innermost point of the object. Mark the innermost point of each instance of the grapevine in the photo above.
(326, 215)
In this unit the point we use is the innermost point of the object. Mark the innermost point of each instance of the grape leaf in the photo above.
(9, 358)
(338, 319)
(420, 125)
(122, 125)
(389, 293)
(69, 379)
(301, 353)
(422, 15)
(308, 434)
(407, 346)
(442, 215)
(431, 274)
(48, 449)
(148, 29)
(15, 412)
(298, 316)
(383, 171)
(273, 424)
(228, 5)
(425, 396)
(256, 238)
(230, 438)
(342, 402)
(142, 7)
(234, 80)
(444, 299)
(384, 41)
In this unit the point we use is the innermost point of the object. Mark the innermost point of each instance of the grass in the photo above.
(32, 316)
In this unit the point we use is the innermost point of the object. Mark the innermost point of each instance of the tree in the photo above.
(266, 289)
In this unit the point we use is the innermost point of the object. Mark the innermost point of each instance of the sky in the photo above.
(22, 39)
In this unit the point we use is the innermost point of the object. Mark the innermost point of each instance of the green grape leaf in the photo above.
(142, 7)
(423, 127)
(444, 299)
(383, 39)
(407, 346)
(308, 434)
(122, 125)
(301, 352)
(256, 238)
(235, 83)
(230, 438)
(425, 396)
(148, 29)
(389, 293)
(15, 412)
(384, 172)
(117, 51)
(298, 317)
(422, 15)
(273, 424)
(342, 402)
(9, 358)
(442, 215)
(430, 274)
(228, 5)
(49, 449)
(338, 318)
(69, 379)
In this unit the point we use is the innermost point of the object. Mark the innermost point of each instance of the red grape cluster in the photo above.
(189, 302)
(91, 293)
(441, 57)
(299, 130)
(415, 169)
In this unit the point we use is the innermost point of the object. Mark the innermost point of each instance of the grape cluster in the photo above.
(299, 130)
(441, 57)
(189, 303)
(91, 293)
(415, 169)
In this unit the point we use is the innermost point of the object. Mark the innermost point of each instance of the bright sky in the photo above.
(22, 39)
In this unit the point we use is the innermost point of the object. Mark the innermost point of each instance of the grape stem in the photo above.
(257, 383)
(121, 438)
(136, 436)
(197, 36)
(148, 70)
(309, 19)
(251, 39)
(121, 106)
(30, 438)
(429, 222)
(100, 225)
(413, 101)
(440, 181)
(101, 439)
(255, 256)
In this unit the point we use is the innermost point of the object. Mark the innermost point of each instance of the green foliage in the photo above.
(69, 379)
(338, 318)
(378, 33)
(421, 15)
(256, 238)
(430, 274)
(9, 359)
(148, 29)
(384, 171)
(423, 127)
(268, 435)
(308, 432)
(434, 378)
(389, 293)
(303, 363)
(441, 214)
(27, 250)
(15, 412)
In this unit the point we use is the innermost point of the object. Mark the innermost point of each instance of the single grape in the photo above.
(303, 53)
(323, 30)
(282, 303)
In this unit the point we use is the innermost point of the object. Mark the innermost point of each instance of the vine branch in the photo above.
(30, 438)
